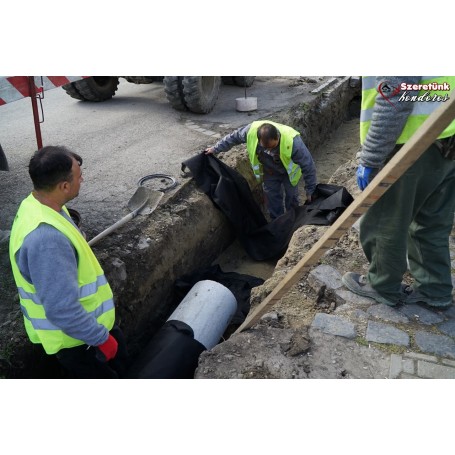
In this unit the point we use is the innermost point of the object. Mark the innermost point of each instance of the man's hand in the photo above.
(109, 348)
(365, 175)
(209, 151)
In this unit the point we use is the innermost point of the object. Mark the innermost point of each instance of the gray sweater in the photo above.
(48, 260)
(273, 167)
(387, 123)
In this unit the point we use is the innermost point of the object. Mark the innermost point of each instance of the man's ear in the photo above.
(64, 186)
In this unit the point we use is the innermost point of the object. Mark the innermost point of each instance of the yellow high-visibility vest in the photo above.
(287, 135)
(95, 294)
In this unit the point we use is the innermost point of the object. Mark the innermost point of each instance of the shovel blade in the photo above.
(138, 199)
(137, 204)
(154, 199)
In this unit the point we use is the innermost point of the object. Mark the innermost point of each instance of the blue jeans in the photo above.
(273, 191)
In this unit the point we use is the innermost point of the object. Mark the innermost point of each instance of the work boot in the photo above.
(414, 296)
(358, 284)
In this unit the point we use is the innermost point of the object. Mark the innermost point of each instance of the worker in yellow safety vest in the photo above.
(278, 158)
(66, 301)
(410, 225)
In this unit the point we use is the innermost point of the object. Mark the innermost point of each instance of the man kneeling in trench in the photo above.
(278, 157)
(65, 298)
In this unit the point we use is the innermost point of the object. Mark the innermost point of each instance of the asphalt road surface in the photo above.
(121, 140)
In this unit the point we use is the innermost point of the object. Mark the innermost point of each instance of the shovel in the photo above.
(135, 204)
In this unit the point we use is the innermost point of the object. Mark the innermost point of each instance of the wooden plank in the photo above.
(396, 167)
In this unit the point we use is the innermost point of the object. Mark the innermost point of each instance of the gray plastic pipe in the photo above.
(207, 309)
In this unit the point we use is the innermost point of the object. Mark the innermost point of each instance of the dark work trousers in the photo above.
(273, 186)
(87, 362)
(413, 219)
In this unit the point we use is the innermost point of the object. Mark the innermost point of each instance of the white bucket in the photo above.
(246, 104)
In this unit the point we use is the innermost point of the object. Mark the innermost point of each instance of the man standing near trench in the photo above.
(414, 218)
(278, 157)
(65, 298)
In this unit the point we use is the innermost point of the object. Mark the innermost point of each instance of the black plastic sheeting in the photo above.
(172, 353)
(262, 240)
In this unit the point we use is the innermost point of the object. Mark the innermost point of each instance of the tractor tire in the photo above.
(173, 88)
(244, 81)
(72, 91)
(95, 88)
(201, 92)
(228, 80)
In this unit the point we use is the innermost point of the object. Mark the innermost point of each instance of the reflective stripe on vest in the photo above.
(95, 294)
(84, 291)
(45, 324)
(420, 109)
(287, 135)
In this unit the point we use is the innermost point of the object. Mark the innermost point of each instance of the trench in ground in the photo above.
(187, 232)
(336, 151)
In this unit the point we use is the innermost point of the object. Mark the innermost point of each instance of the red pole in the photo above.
(39, 140)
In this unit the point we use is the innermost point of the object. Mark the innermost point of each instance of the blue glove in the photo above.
(365, 175)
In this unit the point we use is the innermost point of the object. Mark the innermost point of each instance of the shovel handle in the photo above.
(112, 228)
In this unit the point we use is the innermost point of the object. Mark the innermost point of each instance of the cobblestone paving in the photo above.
(420, 339)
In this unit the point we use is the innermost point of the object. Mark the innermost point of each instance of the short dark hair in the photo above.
(51, 165)
(268, 132)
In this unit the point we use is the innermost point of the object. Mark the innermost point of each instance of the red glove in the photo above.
(109, 348)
